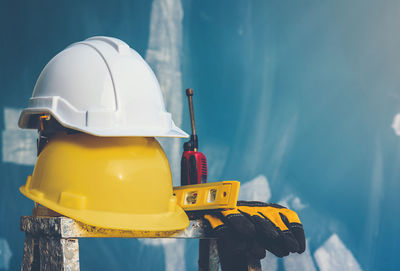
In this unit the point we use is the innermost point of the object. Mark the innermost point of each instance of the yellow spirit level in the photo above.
(208, 196)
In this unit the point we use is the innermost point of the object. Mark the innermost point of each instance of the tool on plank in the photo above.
(208, 196)
(195, 194)
(193, 163)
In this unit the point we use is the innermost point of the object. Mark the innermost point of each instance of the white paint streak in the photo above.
(163, 55)
(18, 146)
(297, 204)
(374, 205)
(333, 255)
(302, 261)
(396, 124)
(157, 241)
(285, 201)
(175, 256)
(269, 263)
(292, 202)
(174, 252)
(256, 189)
(283, 146)
(5, 254)
(260, 121)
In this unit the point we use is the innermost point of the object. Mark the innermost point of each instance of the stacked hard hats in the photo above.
(98, 107)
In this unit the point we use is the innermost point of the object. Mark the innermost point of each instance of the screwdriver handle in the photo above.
(193, 162)
(189, 94)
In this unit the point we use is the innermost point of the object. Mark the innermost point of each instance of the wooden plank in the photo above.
(28, 261)
(49, 253)
(64, 227)
(58, 254)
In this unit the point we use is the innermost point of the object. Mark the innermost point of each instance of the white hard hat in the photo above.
(102, 87)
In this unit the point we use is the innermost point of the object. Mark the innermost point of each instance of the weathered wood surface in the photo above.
(50, 253)
(64, 227)
(51, 242)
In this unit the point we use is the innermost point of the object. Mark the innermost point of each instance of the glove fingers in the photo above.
(278, 242)
(290, 241)
(243, 230)
(297, 232)
(265, 228)
(293, 223)
(288, 236)
(256, 250)
(233, 242)
(276, 248)
(239, 223)
(268, 234)
(253, 227)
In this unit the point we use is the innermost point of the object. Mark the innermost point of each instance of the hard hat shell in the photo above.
(102, 87)
(117, 183)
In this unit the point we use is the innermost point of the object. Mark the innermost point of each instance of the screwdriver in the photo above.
(193, 162)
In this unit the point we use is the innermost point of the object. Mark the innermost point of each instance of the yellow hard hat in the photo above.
(114, 182)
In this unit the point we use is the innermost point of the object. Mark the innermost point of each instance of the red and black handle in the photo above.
(193, 162)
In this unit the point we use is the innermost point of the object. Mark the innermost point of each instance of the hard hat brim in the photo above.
(169, 221)
(28, 113)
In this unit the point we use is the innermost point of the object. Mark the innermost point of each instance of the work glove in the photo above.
(251, 228)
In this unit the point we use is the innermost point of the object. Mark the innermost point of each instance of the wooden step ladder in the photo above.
(52, 241)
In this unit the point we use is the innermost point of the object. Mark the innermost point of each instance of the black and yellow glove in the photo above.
(253, 227)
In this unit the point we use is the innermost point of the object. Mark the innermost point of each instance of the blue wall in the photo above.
(301, 92)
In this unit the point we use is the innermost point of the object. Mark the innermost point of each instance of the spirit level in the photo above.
(208, 196)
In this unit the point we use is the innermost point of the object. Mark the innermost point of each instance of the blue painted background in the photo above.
(303, 92)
